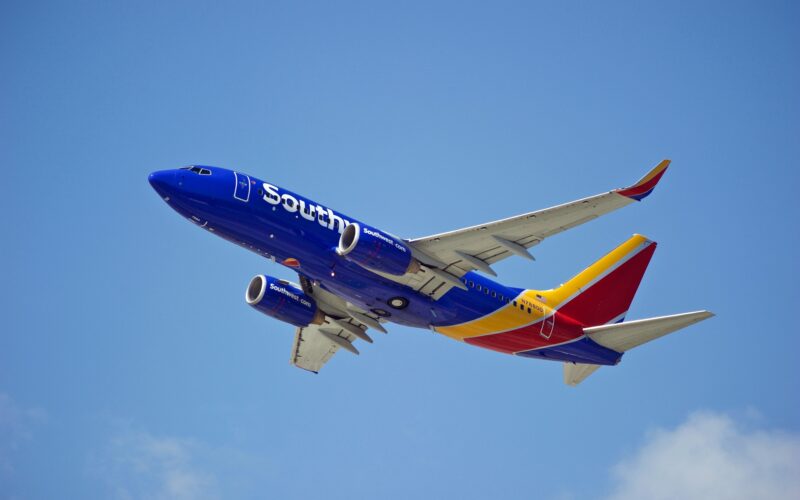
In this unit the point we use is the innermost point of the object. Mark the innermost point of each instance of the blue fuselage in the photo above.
(302, 234)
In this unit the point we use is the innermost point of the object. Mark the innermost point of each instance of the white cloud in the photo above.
(710, 456)
(16, 427)
(138, 464)
(141, 465)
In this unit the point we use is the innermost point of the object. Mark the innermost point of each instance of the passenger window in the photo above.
(529, 310)
(494, 294)
(479, 288)
(515, 303)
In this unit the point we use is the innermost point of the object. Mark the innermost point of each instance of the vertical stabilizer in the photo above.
(603, 292)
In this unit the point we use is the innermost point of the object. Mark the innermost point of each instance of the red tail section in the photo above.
(603, 292)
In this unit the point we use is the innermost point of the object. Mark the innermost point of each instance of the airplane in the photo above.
(354, 277)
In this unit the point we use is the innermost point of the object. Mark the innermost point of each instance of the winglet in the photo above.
(646, 184)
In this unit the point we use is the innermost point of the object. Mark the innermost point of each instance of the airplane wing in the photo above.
(475, 248)
(315, 344)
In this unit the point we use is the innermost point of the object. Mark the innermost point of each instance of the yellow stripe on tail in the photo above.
(603, 291)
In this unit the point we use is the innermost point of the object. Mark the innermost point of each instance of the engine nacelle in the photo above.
(283, 300)
(371, 248)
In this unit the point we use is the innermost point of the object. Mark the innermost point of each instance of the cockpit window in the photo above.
(198, 170)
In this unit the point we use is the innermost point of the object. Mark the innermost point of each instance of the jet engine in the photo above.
(283, 300)
(371, 248)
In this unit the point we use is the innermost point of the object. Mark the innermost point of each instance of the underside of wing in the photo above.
(311, 350)
(476, 247)
(342, 326)
(314, 345)
(431, 280)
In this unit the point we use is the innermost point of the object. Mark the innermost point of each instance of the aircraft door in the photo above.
(242, 189)
(548, 325)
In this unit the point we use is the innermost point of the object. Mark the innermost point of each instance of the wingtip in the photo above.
(699, 316)
(646, 184)
(708, 314)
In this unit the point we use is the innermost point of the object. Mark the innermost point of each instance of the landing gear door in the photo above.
(242, 190)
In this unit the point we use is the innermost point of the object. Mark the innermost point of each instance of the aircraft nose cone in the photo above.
(163, 181)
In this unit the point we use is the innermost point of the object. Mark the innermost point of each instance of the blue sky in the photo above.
(131, 367)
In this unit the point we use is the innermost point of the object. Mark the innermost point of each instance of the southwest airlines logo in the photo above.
(384, 238)
(325, 216)
(293, 296)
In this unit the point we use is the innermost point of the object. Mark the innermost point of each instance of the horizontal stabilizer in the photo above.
(574, 373)
(622, 337)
